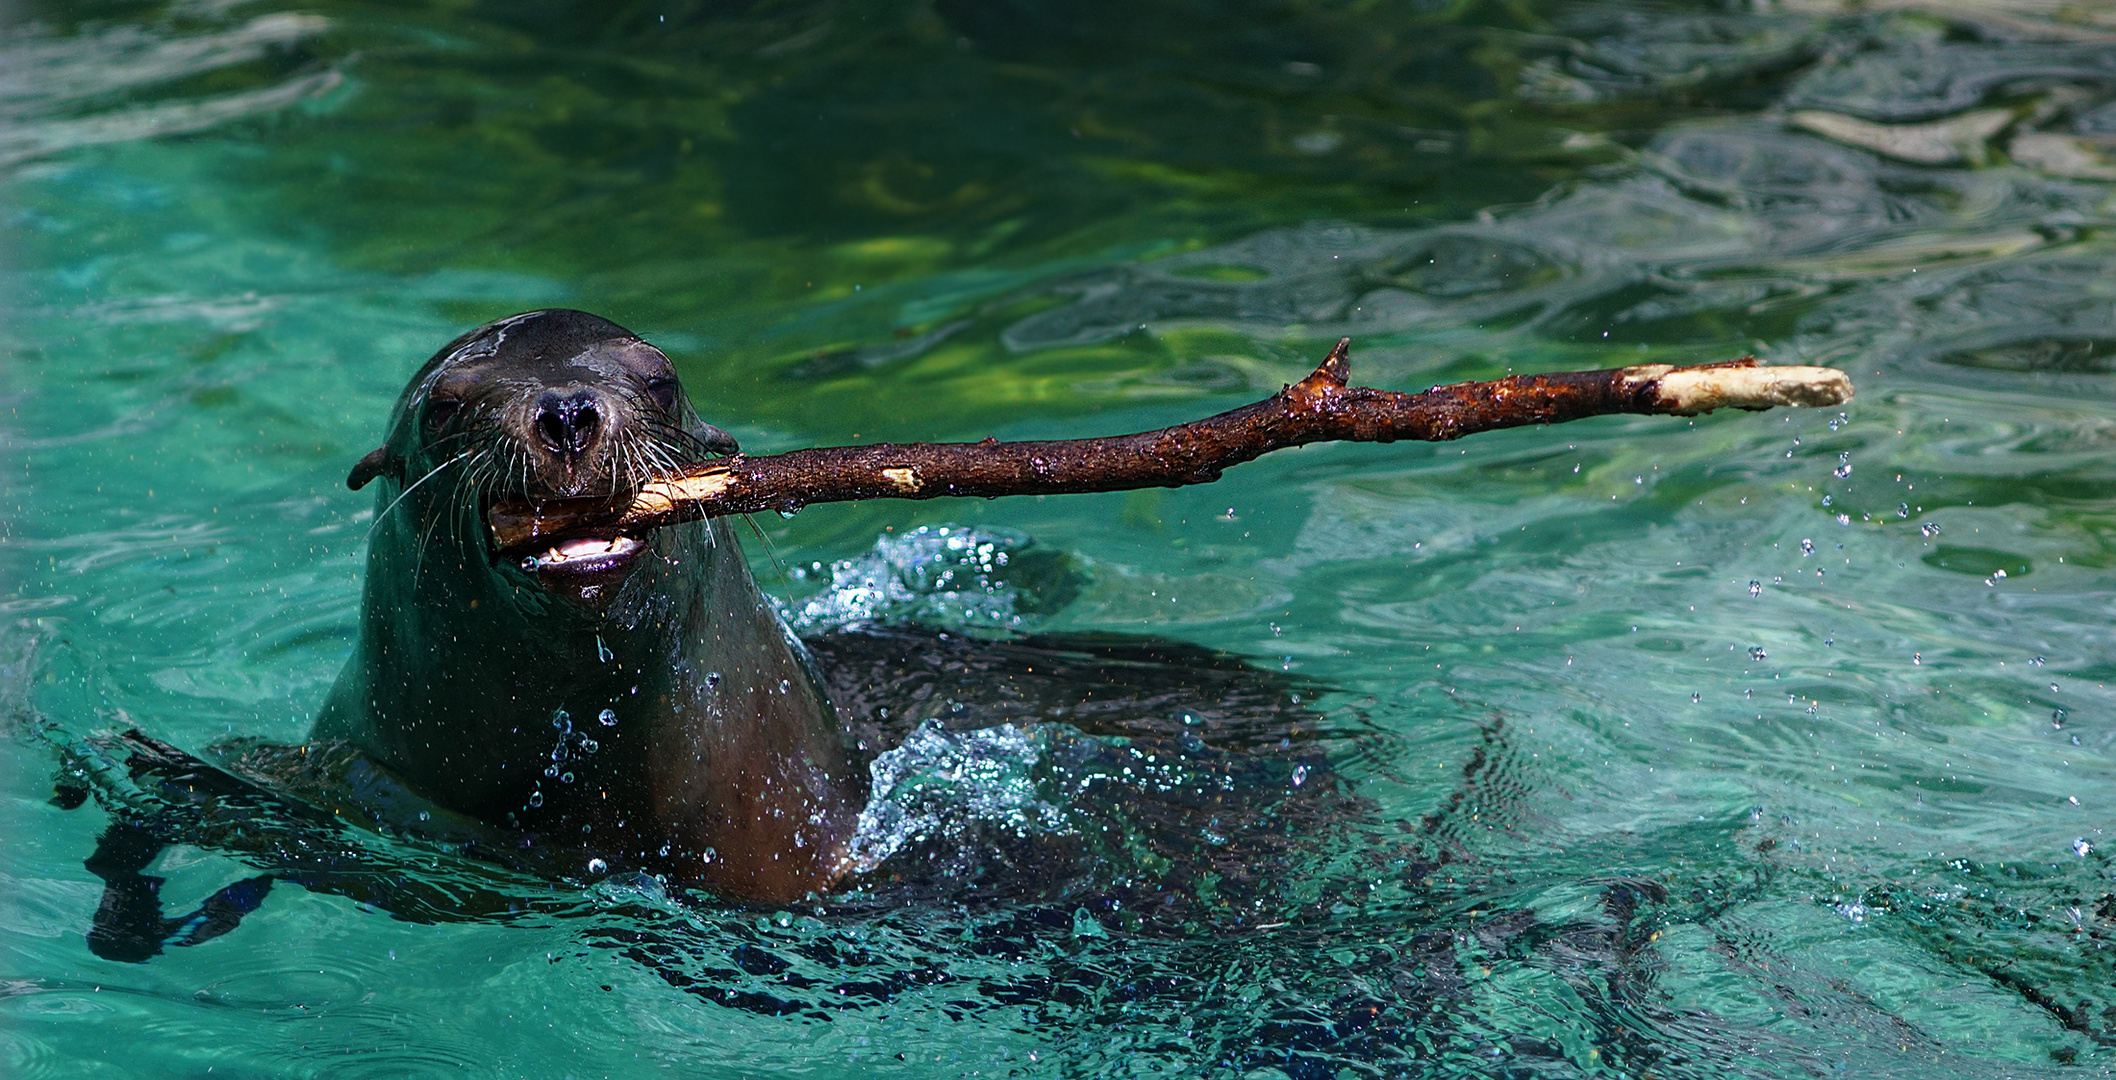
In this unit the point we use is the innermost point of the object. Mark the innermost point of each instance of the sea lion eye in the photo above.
(664, 391)
(439, 412)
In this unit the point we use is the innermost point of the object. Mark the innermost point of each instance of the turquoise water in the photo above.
(1772, 744)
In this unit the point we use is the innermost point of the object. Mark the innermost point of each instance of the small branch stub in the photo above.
(1319, 408)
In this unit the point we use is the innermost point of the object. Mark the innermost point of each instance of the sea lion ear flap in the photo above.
(377, 462)
(716, 440)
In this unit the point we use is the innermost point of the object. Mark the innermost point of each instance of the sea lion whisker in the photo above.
(430, 474)
(698, 448)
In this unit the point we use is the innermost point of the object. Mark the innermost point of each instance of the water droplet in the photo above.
(1826, 499)
(1902, 510)
(425, 816)
(608, 717)
(2057, 718)
(712, 679)
(2053, 688)
(2081, 847)
(597, 866)
(1755, 588)
(1928, 530)
(536, 798)
(529, 564)
(788, 512)
(1695, 698)
(1843, 519)
(1917, 658)
(1300, 775)
(1807, 548)
(1756, 652)
(785, 685)
(2039, 661)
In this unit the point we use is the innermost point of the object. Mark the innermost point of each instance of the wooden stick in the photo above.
(1319, 408)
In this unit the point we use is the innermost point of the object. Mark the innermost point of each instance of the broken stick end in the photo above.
(1689, 391)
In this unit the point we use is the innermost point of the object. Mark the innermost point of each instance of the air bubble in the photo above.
(602, 651)
(589, 746)
(597, 866)
(536, 798)
(608, 717)
(1300, 775)
(565, 778)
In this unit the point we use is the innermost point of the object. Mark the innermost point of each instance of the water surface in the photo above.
(1766, 745)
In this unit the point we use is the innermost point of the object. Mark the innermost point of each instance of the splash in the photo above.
(945, 574)
(942, 783)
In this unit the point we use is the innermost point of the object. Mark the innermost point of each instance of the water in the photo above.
(1761, 744)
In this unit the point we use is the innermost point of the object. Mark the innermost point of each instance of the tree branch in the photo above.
(1319, 408)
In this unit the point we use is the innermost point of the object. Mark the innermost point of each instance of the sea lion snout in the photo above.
(568, 421)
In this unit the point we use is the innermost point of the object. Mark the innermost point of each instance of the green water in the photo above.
(1733, 750)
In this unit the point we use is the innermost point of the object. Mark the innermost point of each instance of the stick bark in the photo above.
(1319, 408)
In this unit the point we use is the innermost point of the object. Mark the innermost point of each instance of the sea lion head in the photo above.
(541, 407)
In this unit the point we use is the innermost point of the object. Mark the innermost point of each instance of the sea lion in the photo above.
(632, 694)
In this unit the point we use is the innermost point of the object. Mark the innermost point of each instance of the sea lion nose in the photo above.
(567, 422)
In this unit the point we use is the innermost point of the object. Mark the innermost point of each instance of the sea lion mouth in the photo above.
(575, 557)
(588, 553)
